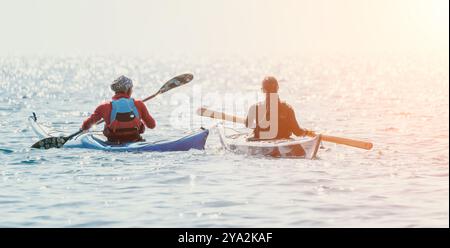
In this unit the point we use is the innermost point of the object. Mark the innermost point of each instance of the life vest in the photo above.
(125, 122)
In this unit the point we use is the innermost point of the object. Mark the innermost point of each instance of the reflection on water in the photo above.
(399, 103)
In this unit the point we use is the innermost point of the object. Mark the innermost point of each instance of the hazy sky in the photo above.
(222, 26)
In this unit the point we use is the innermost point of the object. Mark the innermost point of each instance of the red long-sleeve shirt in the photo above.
(103, 111)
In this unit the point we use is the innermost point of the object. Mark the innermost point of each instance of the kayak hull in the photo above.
(195, 140)
(291, 148)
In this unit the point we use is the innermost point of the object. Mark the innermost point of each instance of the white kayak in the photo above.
(286, 148)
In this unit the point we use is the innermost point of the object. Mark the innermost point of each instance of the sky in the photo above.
(223, 26)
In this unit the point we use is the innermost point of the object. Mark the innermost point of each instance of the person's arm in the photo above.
(94, 118)
(296, 129)
(145, 115)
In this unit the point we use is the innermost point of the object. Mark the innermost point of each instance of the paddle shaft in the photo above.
(74, 134)
(220, 116)
(346, 141)
(338, 140)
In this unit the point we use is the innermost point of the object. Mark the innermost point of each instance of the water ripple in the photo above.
(401, 105)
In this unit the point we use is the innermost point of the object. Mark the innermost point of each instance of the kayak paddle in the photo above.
(58, 142)
(337, 140)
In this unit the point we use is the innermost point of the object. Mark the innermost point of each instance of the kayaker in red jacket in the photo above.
(272, 118)
(124, 116)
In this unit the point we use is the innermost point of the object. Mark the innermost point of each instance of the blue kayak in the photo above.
(195, 140)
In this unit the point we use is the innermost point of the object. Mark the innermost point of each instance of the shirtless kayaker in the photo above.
(124, 116)
(272, 118)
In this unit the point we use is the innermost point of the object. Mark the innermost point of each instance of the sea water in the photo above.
(400, 103)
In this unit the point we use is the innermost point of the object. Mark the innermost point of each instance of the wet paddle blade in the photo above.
(51, 142)
(176, 81)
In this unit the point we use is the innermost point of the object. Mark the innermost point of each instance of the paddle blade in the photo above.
(51, 142)
(176, 81)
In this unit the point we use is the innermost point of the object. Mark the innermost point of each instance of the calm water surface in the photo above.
(399, 103)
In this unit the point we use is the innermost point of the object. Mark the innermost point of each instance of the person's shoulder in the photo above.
(139, 103)
(104, 104)
(286, 105)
